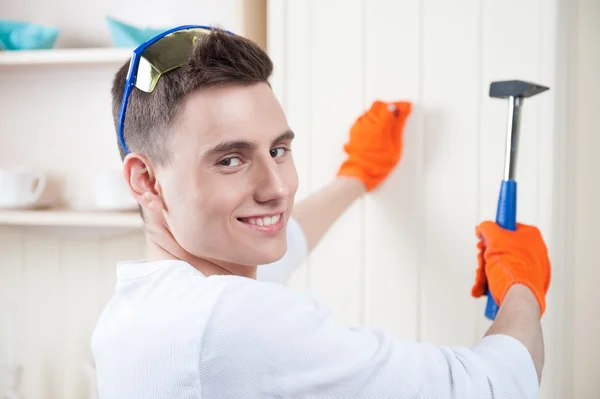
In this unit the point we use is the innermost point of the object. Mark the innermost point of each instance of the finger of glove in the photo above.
(493, 231)
(402, 111)
(480, 285)
(379, 121)
(478, 289)
(381, 115)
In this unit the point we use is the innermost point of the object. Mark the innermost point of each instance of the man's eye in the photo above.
(231, 161)
(275, 152)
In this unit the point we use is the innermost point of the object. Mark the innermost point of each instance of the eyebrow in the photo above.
(227, 146)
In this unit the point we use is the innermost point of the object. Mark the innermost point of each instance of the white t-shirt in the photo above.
(172, 333)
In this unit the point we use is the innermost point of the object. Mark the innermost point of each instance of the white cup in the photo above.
(21, 187)
(111, 191)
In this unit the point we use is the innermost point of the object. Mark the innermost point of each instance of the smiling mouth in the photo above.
(263, 221)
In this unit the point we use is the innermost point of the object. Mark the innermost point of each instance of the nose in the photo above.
(271, 183)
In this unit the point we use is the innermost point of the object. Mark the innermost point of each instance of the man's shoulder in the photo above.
(258, 310)
(240, 293)
(263, 314)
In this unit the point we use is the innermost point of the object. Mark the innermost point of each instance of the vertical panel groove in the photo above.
(481, 87)
(309, 31)
(284, 59)
(310, 131)
(62, 319)
(421, 246)
(566, 235)
(538, 133)
(363, 210)
(21, 324)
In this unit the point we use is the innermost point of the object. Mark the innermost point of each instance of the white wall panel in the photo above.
(336, 98)
(297, 105)
(585, 138)
(393, 221)
(450, 130)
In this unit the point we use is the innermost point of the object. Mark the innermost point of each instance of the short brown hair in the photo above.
(218, 58)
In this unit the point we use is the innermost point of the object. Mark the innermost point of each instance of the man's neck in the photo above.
(161, 245)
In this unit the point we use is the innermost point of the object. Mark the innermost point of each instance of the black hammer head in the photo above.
(515, 88)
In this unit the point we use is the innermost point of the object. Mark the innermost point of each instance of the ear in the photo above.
(141, 179)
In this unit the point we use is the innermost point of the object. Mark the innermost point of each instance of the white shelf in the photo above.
(70, 218)
(107, 55)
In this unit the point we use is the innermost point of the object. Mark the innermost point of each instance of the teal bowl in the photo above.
(20, 35)
(129, 36)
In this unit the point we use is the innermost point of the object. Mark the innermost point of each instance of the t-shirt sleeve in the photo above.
(297, 252)
(266, 341)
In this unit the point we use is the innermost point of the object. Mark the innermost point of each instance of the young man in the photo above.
(207, 154)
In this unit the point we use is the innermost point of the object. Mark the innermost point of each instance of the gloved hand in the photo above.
(511, 257)
(375, 143)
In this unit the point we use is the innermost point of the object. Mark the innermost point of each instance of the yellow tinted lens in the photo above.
(170, 52)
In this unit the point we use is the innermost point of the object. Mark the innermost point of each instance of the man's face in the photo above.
(229, 187)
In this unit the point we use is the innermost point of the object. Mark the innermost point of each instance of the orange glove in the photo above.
(511, 257)
(375, 143)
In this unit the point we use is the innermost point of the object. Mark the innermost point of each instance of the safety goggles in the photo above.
(152, 59)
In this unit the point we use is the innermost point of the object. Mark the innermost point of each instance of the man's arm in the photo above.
(373, 150)
(317, 213)
(310, 220)
(519, 317)
(263, 340)
(514, 266)
(281, 270)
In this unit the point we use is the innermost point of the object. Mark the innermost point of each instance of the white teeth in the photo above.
(265, 221)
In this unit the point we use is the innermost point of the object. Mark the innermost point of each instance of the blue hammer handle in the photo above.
(506, 216)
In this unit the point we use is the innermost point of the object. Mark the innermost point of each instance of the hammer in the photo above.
(506, 214)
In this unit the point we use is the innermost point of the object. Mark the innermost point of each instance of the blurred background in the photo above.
(402, 258)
